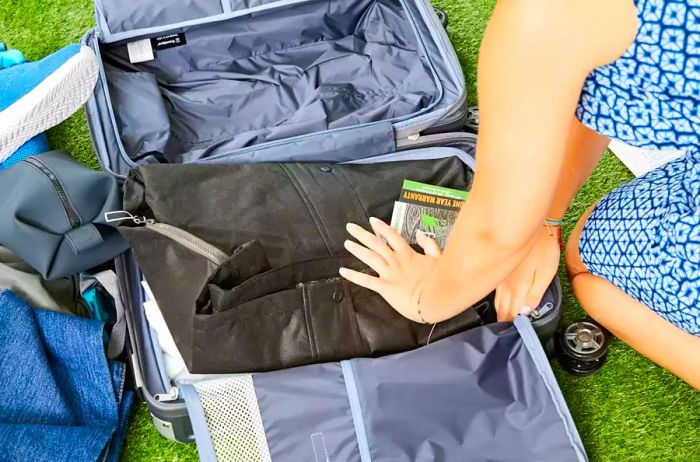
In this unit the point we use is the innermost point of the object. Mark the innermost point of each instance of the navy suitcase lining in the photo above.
(314, 67)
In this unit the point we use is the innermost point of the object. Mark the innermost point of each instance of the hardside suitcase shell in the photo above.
(126, 21)
(168, 410)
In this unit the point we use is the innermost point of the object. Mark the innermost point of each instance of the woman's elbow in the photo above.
(508, 238)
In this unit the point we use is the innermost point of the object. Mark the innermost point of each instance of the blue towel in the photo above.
(60, 399)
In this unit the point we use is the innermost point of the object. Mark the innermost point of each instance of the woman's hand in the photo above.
(401, 270)
(522, 290)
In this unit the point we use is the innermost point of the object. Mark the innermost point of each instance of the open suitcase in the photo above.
(380, 83)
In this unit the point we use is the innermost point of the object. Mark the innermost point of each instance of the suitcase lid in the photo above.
(119, 20)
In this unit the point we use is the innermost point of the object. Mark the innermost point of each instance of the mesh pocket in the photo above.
(233, 417)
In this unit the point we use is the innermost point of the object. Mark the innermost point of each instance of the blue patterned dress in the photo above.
(644, 237)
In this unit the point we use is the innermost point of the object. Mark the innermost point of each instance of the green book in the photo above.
(428, 208)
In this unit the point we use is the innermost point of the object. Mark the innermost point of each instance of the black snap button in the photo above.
(326, 169)
(338, 296)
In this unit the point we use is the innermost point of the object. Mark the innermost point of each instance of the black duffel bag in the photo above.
(243, 260)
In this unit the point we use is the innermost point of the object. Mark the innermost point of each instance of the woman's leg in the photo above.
(631, 321)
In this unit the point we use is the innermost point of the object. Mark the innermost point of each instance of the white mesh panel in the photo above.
(233, 417)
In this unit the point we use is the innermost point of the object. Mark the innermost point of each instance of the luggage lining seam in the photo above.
(307, 320)
(309, 206)
(351, 188)
(356, 410)
(532, 345)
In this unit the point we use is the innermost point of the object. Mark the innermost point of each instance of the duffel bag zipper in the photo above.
(178, 235)
(73, 217)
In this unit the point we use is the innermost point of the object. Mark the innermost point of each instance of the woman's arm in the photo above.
(527, 283)
(534, 59)
(584, 149)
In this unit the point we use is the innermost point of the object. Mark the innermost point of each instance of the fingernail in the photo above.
(373, 220)
(342, 271)
(347, 242)
(525, 311)
(350, 226)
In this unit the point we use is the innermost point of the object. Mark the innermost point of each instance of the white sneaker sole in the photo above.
(51, 102)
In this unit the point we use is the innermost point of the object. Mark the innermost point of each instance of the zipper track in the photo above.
(73, 217)
(190, 241)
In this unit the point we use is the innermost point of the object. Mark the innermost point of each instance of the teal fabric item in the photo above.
(100, 307)
(17, 81)
(35, 146)
(96, 304)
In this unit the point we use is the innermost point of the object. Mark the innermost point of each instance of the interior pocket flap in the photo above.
(119, 16)
(225, 297)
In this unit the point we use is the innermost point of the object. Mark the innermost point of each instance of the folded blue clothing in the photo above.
(60, 399)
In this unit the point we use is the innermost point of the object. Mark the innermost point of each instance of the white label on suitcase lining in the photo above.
(140, 51)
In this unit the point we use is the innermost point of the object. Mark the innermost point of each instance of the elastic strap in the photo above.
(117, 339)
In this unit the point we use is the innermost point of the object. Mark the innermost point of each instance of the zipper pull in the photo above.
(413, 137)
(122, 215)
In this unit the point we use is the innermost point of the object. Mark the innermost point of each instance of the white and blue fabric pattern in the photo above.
(645, 236)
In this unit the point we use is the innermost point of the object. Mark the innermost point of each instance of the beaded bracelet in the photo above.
(553, 222)
(550, 223)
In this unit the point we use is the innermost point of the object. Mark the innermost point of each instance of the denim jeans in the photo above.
(60, 399)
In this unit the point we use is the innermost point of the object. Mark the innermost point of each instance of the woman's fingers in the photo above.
(519, 301)
(369, 240)
(361, 279)
(538, 288)
(497, 298)
(392, 237)
(429, 246)
(367, 256)
(503, 304)
(510, 303)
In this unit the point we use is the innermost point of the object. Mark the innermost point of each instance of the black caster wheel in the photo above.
(582, 347)
(442, 16)
(472, 122)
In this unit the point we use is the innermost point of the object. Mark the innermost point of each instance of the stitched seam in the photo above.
(204, 318)
(351, 188)
(307, 319)
(257, 277)
(72, 242)
(309, 207)
(353, 317)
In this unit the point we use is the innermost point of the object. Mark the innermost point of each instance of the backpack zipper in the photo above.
(182, 237)
(73, 217)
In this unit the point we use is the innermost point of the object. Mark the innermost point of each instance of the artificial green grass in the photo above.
(630, 411)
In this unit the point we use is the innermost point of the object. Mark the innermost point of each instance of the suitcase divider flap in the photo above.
(488, 392)
(120, 20)
(534, 346)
